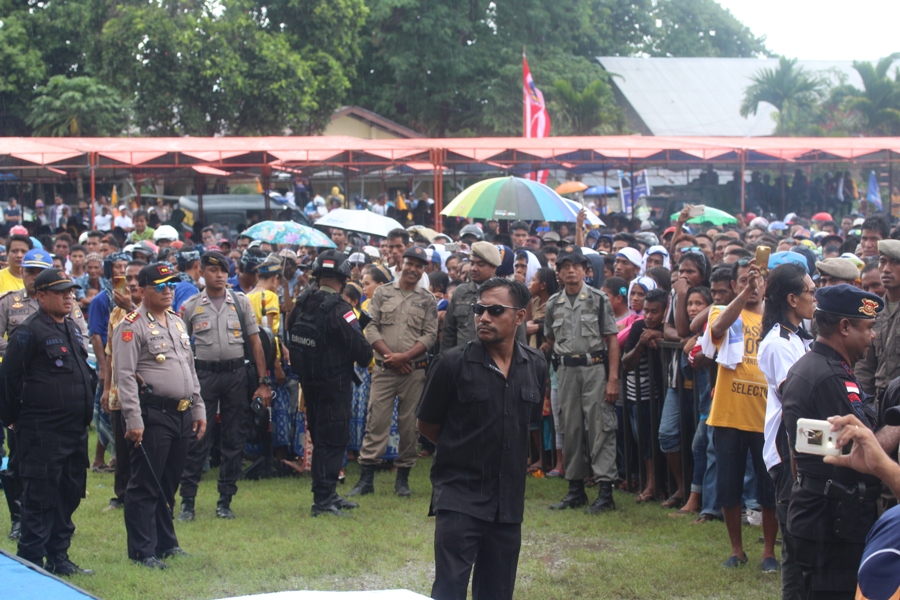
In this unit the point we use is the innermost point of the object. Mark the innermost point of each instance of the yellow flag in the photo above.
(259, 188)
(401, 203)
(188, 217)
(114, 199)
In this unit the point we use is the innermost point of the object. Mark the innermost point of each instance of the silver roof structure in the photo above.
(699, 96)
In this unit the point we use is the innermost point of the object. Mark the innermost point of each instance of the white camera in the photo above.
(816, 437)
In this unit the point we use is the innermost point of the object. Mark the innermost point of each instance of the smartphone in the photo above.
(119, 284)
(697, 210)
(762, 259)
(816, 437)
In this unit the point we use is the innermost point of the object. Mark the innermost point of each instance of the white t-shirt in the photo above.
(424, 282)
(778, 352)
(124, 222)
(103, 223)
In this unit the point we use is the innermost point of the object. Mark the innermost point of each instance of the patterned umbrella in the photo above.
(512, 199)
(289, 232)
(713, 215)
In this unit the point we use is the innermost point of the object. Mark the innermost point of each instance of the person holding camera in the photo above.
(832, 507)
(161, 404)
(325, 340)
(222, 325)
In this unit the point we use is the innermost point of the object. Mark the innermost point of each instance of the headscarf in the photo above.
(655, 250)
(533, 265)
(599, 273)
(648, 283)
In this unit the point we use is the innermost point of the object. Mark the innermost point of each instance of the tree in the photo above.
(77, 107)
(21, 69)
(793, 91)
(701, 28)
(589, 112)
(879, 100)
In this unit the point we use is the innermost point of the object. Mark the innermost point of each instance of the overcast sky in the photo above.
(823, 29)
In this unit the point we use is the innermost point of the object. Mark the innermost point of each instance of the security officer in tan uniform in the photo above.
(459, 321)
(404, 325)
(160, 397)
(15, 307)
(18, 305)
(213, 322)
(580, 327)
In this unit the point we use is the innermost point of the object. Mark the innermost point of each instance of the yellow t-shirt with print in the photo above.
(9, 282)
(740, 395)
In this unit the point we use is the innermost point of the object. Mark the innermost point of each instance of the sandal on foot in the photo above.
(645, 497)
(672, 501)
(734, 562)
(555, 473)
(704, 518)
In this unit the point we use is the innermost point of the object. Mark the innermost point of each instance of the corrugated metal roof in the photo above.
(701, 96)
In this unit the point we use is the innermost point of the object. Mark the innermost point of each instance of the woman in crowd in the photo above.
(543, 285)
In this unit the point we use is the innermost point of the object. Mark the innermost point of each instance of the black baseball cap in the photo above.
(417, 252)
(53, 280)
(155, 274)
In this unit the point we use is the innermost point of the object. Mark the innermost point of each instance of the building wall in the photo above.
(353, 127)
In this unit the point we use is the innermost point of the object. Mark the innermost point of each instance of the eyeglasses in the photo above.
(743, 262)
(495, 310)
(162, 287)
(692, 249)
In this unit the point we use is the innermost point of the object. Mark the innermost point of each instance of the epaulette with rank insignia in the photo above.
(132, 316)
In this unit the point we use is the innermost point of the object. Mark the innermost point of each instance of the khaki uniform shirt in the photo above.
(401, 319)
(217, 332)
(138, 343)
(115, 317)
(576, 328)
(882, 361)
(16, 306)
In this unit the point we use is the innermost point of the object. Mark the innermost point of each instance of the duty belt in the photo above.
(221, 366)
(419, 364)
(166, 403)
(840, 491)
(584, 360)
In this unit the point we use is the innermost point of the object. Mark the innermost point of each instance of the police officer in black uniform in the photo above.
(47, 393)
(831, 508)
(325, 340)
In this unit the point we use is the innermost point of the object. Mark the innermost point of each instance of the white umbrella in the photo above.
(592, 219)
(360, 221)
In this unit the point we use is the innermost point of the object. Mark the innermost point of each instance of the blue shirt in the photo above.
(98, 316)
(183, 291)
(235, 284)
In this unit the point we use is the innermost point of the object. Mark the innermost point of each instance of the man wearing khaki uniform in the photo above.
(581, 329)
(404, 325)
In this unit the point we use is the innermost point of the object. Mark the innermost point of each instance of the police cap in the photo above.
(848, 301)
(572, 254)
(214, 259)
(417, 253)
(839, 268)
(487, 252)
(155, 274)
(890, 248)
(53, 279)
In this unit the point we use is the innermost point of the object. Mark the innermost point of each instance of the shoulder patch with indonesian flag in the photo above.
(852, 392)
(350, 317)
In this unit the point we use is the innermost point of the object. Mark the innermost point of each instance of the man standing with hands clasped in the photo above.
(482, 395)
(160, 397)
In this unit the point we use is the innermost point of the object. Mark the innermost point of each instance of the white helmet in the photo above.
(165, 232)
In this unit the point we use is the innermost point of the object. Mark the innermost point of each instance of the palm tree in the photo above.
(879, 102)
(591, 111)
(790, 89)
(76, 106)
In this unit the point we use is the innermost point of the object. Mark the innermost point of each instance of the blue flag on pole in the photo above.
(873, 196)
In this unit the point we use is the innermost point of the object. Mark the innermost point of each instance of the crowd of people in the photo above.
(709, 326)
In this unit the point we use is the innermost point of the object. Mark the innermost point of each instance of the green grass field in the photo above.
(274, 544)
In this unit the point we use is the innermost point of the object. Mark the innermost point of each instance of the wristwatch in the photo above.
(265, 381)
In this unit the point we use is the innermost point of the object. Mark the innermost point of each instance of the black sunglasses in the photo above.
(495, 310)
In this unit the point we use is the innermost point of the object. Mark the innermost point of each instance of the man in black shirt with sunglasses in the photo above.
(482, 395)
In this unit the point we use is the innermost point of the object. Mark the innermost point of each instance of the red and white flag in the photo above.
(536, 119)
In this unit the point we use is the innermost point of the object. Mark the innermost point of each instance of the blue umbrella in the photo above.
(777, 225)
(873, 196)
(599, 190)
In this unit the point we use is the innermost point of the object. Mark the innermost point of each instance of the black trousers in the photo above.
(327, 414)
(148, 521)
(123, 454)
(829, 569)
(461, 541)
(226, 394)
(53, 467)
(11, 482)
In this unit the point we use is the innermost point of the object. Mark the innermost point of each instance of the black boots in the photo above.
(62, 566)
(401, 486)
(575, 498)
(366, 484)
(223, 507)
(187, 509)
(604, 501)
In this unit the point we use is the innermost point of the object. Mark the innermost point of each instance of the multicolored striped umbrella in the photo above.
(512, 199)
(289, 232)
